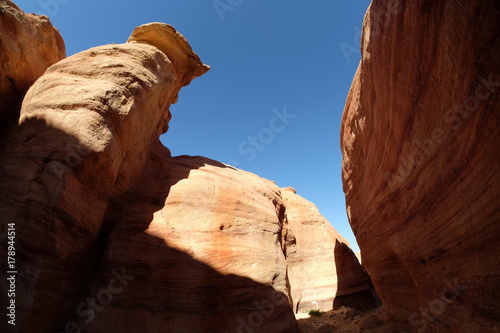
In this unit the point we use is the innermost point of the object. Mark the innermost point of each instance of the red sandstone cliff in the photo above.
(420, 138)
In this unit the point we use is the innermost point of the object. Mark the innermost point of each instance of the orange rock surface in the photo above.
(420, 137)
(323, 271)
(86, 129)
(28, 45)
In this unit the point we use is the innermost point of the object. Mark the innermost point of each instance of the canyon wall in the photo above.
(420, 137)
(323, 271)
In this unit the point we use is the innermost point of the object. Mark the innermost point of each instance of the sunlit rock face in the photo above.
(323, 271)
(28, 45)
(85, 131)
(420, 137)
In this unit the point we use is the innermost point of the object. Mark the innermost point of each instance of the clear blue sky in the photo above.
(267, 57)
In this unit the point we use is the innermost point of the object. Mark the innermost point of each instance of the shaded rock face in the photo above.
(420, 137)
(202, 241)
(322, 269)
(115, 235)
(29, 44)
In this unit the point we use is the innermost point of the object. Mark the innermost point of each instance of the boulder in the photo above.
(420, 137)
(323, 271)
(201, 242)
(369, 322)
(29, 44)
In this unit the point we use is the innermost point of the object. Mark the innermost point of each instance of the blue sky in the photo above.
(271, 104)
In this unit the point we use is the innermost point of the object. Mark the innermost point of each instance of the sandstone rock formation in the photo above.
(115, 235)
(203, 241)
(29, 44)
(84, 134)
(420, 137)
(323, 271)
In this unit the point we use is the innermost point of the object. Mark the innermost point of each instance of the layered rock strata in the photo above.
(420, 137)
(323, 271)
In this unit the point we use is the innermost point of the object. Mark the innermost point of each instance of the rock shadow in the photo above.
(354, 287)
(171, 290)
(72, 243)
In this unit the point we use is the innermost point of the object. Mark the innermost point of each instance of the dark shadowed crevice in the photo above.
(352, 282)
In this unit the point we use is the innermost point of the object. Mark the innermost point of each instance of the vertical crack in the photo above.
(284, 234)
(12, 83)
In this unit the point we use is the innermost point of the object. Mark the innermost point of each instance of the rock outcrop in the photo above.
(29, 44)
(115, 235)
(86, 129)
(203, 243)
(420, 137)
(323, 271)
